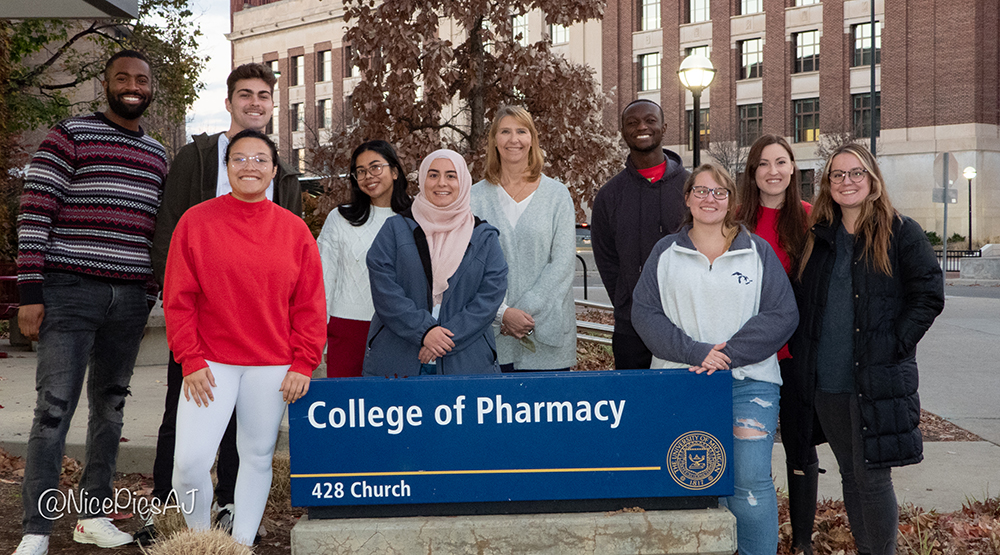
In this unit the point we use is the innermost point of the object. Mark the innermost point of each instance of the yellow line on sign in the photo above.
(498, 471)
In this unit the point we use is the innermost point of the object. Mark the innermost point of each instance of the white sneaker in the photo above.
(101, 532)
(33, 544)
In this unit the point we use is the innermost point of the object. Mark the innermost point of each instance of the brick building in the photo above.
(797, 68)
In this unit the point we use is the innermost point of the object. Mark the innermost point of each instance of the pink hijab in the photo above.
(448, 229)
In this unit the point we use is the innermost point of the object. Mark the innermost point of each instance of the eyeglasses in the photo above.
(720, 193)
(857, 174)
(256, 161)
(373, 170)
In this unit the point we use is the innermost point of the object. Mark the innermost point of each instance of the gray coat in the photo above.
(541, 254)
(399, 268)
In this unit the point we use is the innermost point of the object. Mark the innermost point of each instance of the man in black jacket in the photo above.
(198, 174)
(634, 210)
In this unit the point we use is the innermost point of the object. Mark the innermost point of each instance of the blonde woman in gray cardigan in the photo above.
(535, 327)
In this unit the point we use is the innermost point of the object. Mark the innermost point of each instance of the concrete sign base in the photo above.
(703, 531)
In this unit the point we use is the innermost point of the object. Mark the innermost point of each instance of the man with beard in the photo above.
(87, 216)
(198, 173)
(632, 211)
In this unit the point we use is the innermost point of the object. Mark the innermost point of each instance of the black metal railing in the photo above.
(953, 262)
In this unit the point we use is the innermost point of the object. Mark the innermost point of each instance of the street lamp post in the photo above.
(969, 173)
(696, 73)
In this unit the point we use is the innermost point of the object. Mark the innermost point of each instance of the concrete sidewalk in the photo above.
(959, 382)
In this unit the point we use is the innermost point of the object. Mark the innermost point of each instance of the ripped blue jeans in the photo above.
(754, 502)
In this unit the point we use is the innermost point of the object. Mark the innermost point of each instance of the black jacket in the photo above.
(891, 314)
(630, 215)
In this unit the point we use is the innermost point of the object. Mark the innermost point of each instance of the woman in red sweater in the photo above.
(246, 319)
(771, 206)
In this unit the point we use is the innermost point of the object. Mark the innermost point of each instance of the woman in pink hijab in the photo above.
(437, 278)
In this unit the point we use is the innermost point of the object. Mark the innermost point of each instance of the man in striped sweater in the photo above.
(88, 211)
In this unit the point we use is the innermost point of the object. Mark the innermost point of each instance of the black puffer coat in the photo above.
(891, 314)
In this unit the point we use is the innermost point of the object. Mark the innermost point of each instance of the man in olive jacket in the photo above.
(198, 174)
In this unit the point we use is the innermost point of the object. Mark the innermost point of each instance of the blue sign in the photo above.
(512, 437)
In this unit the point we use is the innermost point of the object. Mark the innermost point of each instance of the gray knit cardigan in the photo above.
(541, 257)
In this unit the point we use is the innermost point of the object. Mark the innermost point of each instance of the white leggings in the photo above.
(254, 391)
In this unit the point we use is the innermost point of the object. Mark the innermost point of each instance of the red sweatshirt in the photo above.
(767, 228)
(244, 286)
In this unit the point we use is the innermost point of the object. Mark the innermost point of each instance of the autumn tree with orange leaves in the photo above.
(421, 91)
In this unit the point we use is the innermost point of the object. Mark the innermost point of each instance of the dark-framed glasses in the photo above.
(720, 193)
(857, 174)
(373, 170)
(255, 161)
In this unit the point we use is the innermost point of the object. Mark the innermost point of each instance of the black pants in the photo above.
(163, 465)
(630, 352)
(869, 497)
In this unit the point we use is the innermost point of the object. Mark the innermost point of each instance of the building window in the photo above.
(704, 130)
(349, 110)
(296, 71)
(751, 6)
(806, 2)
(649, 72)
(863, 114)
(700, 50)
(806, 51)
(323, 114)
(519, 23)
(324, 65)
(806, 114)
(861, 44)
(649, 15)
(806, 178)
(274, 69)
(751, 123)
(697, 11)
(298, 117)
(298, 160)
(351, 69)
(751, 58)
(558, 34)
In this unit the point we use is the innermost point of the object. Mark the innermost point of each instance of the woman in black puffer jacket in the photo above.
(868, 289)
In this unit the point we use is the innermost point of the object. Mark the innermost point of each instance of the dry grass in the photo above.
(186, 542)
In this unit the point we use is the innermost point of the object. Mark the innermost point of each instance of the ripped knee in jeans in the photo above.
(749, 428)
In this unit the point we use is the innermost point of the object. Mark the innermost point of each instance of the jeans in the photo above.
(868, 493)
(86, 322)
(754, 501)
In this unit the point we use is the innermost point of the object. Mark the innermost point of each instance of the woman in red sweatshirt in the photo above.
(246, 319)
(771, 206)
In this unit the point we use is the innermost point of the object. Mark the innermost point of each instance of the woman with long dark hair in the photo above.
(378, 190)
(535, 327)
(868, 288)
(771, 207)
(713, 297)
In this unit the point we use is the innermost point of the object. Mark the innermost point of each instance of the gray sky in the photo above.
(209, 112)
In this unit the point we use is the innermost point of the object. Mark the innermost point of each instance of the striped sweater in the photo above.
(89, 204)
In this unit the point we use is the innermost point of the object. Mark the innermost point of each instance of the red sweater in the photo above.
(767, 228)
(244, 286)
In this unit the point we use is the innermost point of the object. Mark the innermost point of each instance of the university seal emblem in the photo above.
(696, 460)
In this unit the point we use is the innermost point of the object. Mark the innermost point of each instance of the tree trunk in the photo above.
(478, 111)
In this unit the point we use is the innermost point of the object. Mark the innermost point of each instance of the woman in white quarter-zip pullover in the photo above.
(715, 297)
(378, 190)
